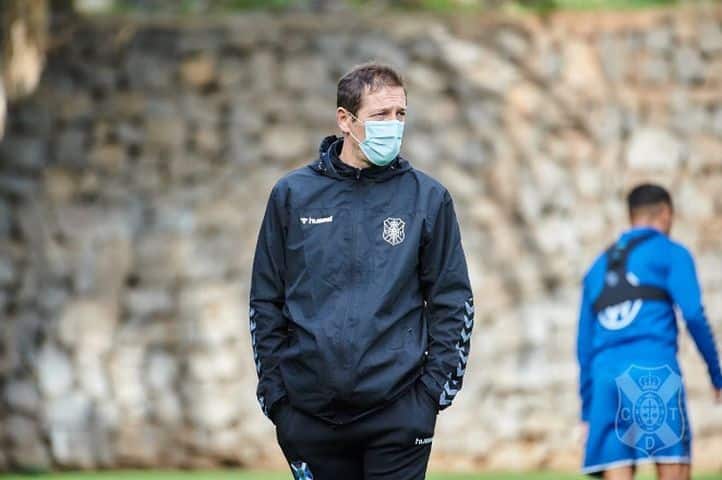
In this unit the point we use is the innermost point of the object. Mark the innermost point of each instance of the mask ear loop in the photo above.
(351, 133)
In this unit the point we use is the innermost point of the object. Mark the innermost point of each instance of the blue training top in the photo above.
(645, 329)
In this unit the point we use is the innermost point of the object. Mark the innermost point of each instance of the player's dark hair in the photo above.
(647, 195)
(371, 76)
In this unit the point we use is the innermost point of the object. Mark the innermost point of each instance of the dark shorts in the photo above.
(393, 443)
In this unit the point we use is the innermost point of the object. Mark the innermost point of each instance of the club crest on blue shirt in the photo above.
(301, 471)
(651, 412)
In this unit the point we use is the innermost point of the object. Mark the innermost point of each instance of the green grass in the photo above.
(238, 475)
(539, 6)
(200, 7)
(544, 6)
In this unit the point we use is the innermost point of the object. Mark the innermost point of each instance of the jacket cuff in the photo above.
(276, 408)
(271, 402)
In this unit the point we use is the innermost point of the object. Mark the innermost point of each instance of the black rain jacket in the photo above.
(359, 289)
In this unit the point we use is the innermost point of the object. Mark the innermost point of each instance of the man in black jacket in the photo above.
(361, 309)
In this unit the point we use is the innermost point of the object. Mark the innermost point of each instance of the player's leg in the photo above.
(673, 471)
(401, 438)
(605, 454)
(315, 450)
(619, 473)
(397, 462)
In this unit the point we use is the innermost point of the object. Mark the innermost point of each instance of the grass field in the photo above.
(238, 475)
(194, 7)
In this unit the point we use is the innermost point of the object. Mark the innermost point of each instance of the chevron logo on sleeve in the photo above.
(453, 384)
(252, 314)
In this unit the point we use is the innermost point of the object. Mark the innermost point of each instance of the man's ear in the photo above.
(343, 119)
(669, 218)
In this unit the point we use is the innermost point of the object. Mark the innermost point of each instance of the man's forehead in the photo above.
(384, 97)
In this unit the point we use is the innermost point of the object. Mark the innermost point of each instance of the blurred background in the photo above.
(141, 140)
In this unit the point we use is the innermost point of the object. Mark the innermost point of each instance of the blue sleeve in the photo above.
(268, 325)
(584, 352)
(683, 286)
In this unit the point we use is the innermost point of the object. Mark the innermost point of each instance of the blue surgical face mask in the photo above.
(383, 140)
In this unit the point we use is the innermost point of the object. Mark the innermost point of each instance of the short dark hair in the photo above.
(647, 195)
(371, 76)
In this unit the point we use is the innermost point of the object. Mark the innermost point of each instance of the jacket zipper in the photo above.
(346, 340)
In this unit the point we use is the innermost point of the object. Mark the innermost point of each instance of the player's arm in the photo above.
(268, 325)
(584, 352)
(449, 305)
(683, 286)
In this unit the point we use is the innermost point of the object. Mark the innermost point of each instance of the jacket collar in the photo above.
(329, 163)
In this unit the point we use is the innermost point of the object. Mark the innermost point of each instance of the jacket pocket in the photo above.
(426, 398)
(325, 236)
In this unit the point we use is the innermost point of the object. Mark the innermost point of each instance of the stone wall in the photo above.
(133, 182)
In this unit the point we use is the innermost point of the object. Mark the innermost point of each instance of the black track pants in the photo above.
(391, 444)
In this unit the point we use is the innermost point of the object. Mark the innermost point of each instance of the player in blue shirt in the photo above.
(633, 400)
